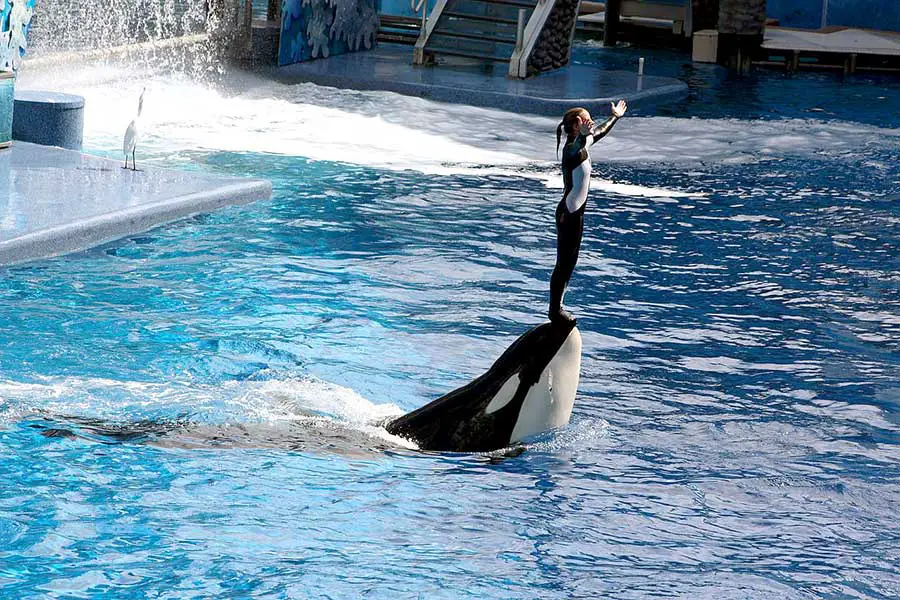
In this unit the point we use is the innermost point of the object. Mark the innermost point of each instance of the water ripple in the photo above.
(194, 412)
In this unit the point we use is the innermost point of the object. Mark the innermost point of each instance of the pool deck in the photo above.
(388, 67)
(832, 47)
(838, 40)
(57, 201)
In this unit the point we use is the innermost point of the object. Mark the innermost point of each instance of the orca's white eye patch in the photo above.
(503, 395)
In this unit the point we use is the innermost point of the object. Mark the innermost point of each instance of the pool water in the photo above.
(193, 412)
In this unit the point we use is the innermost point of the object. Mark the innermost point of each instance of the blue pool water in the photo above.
(736, 429)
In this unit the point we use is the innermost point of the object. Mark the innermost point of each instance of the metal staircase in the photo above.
(485, 30)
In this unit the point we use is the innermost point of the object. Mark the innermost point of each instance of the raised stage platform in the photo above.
(389, 68)
(833, 48)
(54, 201)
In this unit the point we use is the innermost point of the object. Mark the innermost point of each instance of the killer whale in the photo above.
(528, 390)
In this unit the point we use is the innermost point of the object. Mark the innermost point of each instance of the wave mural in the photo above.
(322, 28)
(15, 19)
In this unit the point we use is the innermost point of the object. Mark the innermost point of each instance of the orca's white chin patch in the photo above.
(549, 402)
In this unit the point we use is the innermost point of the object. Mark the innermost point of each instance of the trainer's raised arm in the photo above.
(618, 111)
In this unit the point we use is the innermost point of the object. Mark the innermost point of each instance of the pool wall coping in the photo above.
(80, 232)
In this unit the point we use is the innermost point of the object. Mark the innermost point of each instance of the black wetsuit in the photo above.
(576, 170)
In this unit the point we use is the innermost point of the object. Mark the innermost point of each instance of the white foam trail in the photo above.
(302, 399)
(273, 401)
(580, 433)
(628, 189)
(271, 118)
(391, 131)
(695, 140)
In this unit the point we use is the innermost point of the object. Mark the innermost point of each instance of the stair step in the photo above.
(483, 18)
(474, 36)
(397, 29)
(399, 21)
(466, 54)
(405, 30)
(398, 37)
(477, 28)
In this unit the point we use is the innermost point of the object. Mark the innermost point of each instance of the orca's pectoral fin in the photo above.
(58, 433)
(495, 458)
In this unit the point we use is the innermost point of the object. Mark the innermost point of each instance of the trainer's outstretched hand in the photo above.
(618, 110)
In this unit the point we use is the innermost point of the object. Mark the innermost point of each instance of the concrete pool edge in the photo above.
(388, 68)
(119, 221)
(95, 231)
(643, 99)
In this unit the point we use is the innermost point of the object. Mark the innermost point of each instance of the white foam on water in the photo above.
(579, 433)
(272, 401)
(270, 118)
(313, 398)
(628, 189)
(391, 131)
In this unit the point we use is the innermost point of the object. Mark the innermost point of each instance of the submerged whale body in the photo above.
(528, 390)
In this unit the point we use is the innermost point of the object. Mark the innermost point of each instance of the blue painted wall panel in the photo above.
(869, 14)
(399, 8)
(6, 107)
(15, 22)
(796, 13)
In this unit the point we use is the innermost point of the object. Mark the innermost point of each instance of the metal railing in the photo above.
(421, 5)
(520, 29)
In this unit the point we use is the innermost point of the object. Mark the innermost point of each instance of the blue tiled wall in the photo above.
(867, 14)
(6, 108)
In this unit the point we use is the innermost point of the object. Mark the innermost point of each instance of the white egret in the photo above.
(132, 134)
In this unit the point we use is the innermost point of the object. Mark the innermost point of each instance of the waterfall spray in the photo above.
(189, 36)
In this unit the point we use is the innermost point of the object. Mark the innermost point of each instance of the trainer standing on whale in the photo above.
(531, 388)
(581, 134)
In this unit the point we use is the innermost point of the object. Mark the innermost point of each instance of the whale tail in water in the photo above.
(528, 390)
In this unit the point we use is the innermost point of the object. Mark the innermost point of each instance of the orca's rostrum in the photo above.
(528, 390)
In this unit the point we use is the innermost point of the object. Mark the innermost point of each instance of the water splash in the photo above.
(67, 25)
(182, 36)
(286, 413)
